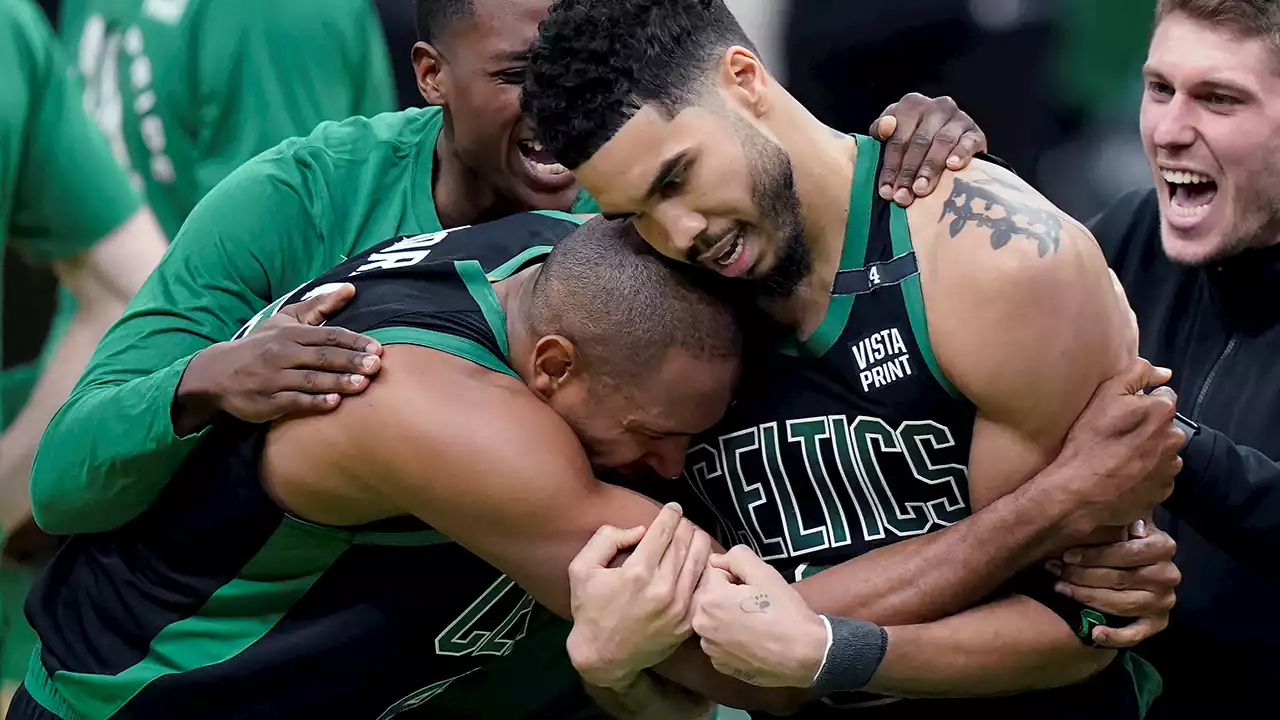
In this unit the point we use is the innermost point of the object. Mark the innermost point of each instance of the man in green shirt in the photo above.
(64, 202)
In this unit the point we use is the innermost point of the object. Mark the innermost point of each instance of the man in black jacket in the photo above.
(1199, 257)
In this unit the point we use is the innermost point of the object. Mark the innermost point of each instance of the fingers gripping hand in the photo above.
(1121, 456)
(1135, 578)
(754, 626)
(633, 616)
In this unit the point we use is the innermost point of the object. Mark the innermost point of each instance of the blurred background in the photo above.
(1054, 83)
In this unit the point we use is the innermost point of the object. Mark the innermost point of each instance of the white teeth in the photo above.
(730, 258)
(535, 145)
(553, 169)
(1179, 177)
(1188, 212)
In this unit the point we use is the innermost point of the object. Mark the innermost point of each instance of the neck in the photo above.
(461, 196)
(822, 161)
(515, 295)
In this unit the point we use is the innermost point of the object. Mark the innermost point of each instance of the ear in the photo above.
(742, 77)
(555, 363)
(429, 68)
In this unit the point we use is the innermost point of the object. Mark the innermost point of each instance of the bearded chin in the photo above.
(793, 266)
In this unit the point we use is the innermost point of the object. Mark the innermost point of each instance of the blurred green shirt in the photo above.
(60, 188)
(189, 90)
(274, 224)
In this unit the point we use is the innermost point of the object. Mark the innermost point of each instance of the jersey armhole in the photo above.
(451, 344)
(913, 297)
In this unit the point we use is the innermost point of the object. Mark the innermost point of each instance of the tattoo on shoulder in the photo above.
(757, 603)
(981, 202)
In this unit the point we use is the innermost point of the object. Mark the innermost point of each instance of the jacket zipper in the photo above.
(1213, 371)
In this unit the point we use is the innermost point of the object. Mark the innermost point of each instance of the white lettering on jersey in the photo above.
(882, 359)
(99, 64)
(406, 252)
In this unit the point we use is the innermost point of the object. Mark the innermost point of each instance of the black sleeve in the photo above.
(1231, 495)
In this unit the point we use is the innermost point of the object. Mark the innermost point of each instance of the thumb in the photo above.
(315, 310)
(885, 125)
(1141, 375)
(745, 567)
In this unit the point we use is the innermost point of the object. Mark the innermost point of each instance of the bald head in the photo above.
(624, 306)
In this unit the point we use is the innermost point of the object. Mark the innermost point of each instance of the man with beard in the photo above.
(936, 360)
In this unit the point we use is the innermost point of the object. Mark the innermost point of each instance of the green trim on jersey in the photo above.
(857, 233)
(1147, 683)
(504, 271)
(563, 215)
(419, 538)
(482, 290)
(585, 204)
(452, 344)
(913, 296)
(283, 571)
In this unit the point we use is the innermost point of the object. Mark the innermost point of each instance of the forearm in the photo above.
(1009, 646)
(18, 444)
(935, 575)
(107, 453)
(1230, 494)
(650, 697)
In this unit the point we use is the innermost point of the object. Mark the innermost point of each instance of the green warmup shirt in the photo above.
(278, 221)
(189, 90)
(60, 191)
(282, 218)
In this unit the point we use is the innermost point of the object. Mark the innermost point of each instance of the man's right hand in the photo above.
(288, 364)
(631, 617)
(1121, 456)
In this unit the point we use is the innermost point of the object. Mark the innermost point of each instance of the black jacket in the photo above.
(1218, 328)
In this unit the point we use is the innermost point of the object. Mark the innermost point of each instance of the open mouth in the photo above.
(1190, 193)
(732, 252)
(538, 159)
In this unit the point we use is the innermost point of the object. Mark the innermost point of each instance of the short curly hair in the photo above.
(597, 62)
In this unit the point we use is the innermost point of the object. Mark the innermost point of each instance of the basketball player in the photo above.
(295, 569)
(263, 232)
(323, 566)
(939, 355)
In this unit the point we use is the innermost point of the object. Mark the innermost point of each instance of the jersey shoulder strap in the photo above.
(435, 289)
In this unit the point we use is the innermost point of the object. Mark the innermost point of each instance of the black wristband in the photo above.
(857, 647)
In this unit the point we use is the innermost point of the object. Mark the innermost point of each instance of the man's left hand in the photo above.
(1135, 578)
(922, 137)
(754, 626)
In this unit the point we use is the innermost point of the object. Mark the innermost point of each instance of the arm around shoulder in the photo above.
(112, 446)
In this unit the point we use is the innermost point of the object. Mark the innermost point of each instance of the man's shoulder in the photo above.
(389, 137)
(986, 222)
(341, 154)
(1009, 282)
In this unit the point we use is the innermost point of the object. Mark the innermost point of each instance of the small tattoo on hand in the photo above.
(743, 675)
(757, 603)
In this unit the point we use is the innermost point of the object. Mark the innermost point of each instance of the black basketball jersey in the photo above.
(853, 439)
(218, 603)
